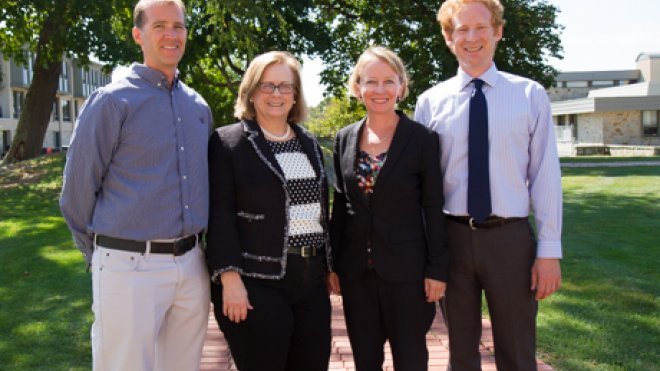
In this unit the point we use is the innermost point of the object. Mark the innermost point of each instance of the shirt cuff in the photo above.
(85, 244)
(549, 249)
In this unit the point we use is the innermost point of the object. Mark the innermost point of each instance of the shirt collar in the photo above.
(154, 76)
(490, 77)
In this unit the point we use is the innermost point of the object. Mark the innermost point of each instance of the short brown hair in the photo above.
(142, 5)
(450, 7)
(244, 109)
(385, 55)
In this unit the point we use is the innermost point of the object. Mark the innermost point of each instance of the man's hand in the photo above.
(235, 303)
(546, 277)
(434, 289)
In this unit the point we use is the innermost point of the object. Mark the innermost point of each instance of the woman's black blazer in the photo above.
(249, 199)
(402, 221)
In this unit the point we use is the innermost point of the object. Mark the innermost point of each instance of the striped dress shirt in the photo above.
(523, 161)
(137, 165)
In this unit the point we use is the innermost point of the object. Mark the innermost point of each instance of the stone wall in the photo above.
(634, 151)
(559, 94)
(590, 128)
(622, 127)
(625, 128)
(566, 149)
(617, 133)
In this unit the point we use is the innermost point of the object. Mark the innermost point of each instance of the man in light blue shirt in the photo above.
(498, 255)
(135, 197)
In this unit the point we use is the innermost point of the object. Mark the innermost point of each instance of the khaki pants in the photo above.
(150, 310)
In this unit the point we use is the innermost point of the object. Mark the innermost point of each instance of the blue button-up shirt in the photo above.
(137, 164)
(524, 166)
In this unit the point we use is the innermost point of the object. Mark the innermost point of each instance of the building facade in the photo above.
(76, 83)
(609, 112)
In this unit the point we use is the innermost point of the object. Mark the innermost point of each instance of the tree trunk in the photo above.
(35, 116)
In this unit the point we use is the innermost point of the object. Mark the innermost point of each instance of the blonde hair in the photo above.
(385, 55)
(244, 109)
(142, 5)
(450, 7)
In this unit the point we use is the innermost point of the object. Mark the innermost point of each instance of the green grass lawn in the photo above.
(605, 317)
(45, 293)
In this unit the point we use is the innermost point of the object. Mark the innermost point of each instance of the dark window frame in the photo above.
(650, 130)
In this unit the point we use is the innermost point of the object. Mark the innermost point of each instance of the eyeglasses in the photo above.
(269, 87)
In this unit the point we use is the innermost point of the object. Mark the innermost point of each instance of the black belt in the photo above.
(177, 247)
(491, 222)
(304, 251)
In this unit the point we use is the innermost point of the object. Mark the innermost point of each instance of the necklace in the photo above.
(278, 137)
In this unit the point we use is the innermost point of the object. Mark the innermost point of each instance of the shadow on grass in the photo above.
(605, 317)
(45, 293)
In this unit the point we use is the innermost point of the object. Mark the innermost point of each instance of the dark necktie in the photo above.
(479, 206)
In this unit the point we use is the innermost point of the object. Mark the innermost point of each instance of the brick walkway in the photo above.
(216, 354)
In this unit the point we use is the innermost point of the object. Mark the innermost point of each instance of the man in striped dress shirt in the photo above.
(497, 254)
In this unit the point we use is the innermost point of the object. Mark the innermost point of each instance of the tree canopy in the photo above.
(50, 30)
(224, 35)
(531, 35)
(332, 114)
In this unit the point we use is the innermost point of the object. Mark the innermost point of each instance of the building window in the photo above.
(56, 111)
(57, 139)
(28, 70)
(650, 120)
(6, 142)
(561, 120)
(76, 109)
(602, 83)
(84, 82)
(577, 84)
(572, 124)
(66, 110)
(19, 101)
(64, 78)
(95, 80)
(87, 82)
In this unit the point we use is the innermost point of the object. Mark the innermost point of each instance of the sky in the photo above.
(598, 35)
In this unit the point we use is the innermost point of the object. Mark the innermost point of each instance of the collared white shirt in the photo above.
(523, 161)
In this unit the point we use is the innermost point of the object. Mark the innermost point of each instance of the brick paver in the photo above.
(216, 354)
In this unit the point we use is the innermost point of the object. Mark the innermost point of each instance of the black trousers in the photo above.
(497, 261)
(377, 311)
(289, 327)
